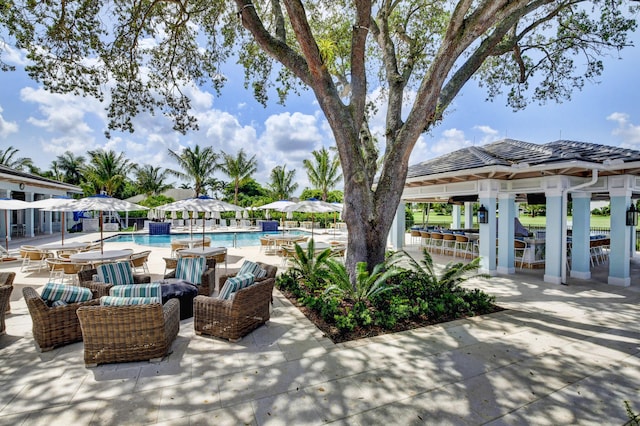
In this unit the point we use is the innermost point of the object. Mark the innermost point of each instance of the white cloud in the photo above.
(11, 55)
(7, 127)
(628, 132)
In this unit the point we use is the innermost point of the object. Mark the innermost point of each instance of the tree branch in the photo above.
(274, 47)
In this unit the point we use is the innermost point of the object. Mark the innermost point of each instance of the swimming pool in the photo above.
(218, 239)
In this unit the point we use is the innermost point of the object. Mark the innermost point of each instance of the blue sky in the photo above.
(44, 125)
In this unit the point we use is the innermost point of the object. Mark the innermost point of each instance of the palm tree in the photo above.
(7, 158)
(215, 185)
(106, 170)
(323, 172)
(238, 168)
(71, 166)
(150, 180)
(197, 164)
(282, 185)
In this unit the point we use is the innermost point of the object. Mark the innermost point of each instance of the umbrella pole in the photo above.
(203, 231)
(101, 239)
(62, 228)
(6, 230)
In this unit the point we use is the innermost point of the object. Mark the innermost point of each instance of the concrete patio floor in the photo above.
(557, 355)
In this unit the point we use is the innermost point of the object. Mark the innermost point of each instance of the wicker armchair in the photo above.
(54, 326)
(128, 333)
(85, 279)
(235, 318)
(6, 279)
(208, 280)
(271, 273)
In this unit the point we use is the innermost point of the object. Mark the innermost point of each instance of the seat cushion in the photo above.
(119, 273)
(53, 292)
(124, 301)
(137, 290)
(234, 284)
(191, 269)
(249, 267)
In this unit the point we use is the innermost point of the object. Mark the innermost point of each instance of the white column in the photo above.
(455, 222)
(580, 256)
(396, 233)
(468, 214)
(506, 232)
(487, 194)
(620, 251)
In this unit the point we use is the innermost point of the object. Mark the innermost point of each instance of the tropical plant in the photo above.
(197, 164)
(452, 276)
(72, 166)
(424, 51)
(238, 168)
(366, 284)
(9, 158)
(282, 185)
(323, 171)
(216, 186)
(106, 171)
(310, 267)
(150, 180)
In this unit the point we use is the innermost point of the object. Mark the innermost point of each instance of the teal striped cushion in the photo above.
(137, 290)
(119, 273)
(124, 301)
(249, 267)
(234, 284)
(67, 293)
(59, 303)
(191, 269)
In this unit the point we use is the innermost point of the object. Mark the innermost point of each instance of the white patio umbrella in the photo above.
(174, 215)
(100, 203)
(278, 206)
(312, 206)
(202, 203)
(10, 204)
(47, 203)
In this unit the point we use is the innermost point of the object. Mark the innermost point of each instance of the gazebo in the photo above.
(500, 174)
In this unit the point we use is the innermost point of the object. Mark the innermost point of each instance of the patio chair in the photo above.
(54, 326)
(86, 279)
(128, 333)
(521, 249)
(207, 279)
(170, 263)
(6, 255)
(6, 287)
(270, 269)
(234, 318)
(139, 261)
(33, 259)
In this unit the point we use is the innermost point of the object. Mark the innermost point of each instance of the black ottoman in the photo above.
(184, 291)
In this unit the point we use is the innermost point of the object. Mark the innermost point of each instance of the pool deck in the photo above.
(557, 355)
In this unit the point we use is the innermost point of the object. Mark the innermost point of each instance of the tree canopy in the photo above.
(415, 55)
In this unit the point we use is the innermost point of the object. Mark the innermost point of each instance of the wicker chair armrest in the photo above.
(98, 288)
(141, 279)
(208, 282)
(171, 314)
(171, 274)
(205, 302)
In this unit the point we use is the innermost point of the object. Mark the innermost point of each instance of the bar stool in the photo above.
(462, 245)
(436, 241)
(448, 243)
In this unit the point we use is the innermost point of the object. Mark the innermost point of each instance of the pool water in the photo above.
(218, 239)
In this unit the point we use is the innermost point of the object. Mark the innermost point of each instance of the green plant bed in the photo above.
(400, 294)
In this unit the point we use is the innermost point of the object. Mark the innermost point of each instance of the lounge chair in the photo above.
(6, 287)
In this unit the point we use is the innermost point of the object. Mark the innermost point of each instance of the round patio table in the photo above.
(191, 241)
(206, 252)
(95, 256)
(67, 246)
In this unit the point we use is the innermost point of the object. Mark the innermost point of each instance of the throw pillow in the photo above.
(191, 269)
(67, 293)
(234, 284)
(119, 273)
(124, 301)
(249, 267)
(152, 290)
